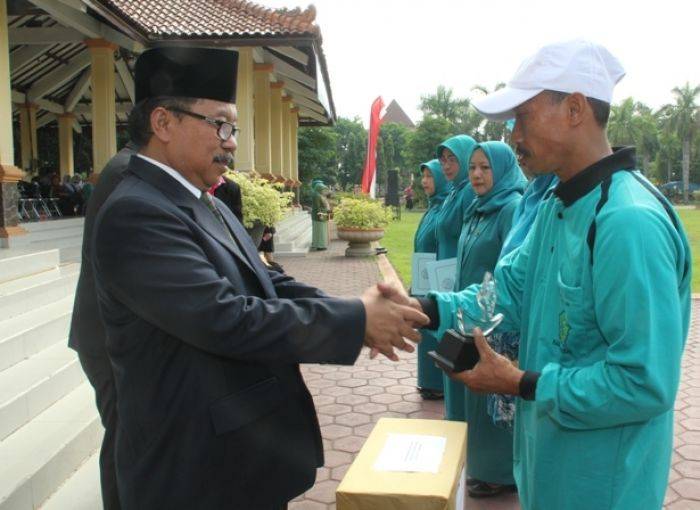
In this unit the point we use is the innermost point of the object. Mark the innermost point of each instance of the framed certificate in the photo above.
(442, 274)
(420, 285)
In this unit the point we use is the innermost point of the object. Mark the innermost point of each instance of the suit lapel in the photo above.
(184, 199)
(247, 246)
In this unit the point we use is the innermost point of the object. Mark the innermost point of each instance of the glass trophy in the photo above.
(457, 350)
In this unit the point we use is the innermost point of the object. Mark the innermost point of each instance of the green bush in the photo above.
(696, 195)
(262, 200)
(361, 213)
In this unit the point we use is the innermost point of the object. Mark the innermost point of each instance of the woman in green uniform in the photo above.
(430, 384)
(454, 154)
(498, 182)
(319, 217)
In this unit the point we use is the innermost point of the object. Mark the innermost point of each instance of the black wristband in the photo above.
(430, 309)
(528, 385)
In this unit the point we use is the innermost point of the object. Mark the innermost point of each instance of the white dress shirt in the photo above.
(175, 175)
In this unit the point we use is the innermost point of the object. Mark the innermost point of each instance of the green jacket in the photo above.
(606, 330)
(319, 205)
(450, 216)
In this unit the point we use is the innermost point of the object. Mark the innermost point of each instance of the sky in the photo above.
(404, 49)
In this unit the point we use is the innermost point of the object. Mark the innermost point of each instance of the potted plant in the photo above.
(360, 221)
(263, 203)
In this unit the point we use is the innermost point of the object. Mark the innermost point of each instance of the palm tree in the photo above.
(622, 128)
(443, 104)
(683, 118)
(493, 130)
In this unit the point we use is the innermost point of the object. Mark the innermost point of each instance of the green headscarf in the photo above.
(508, 179)
(318, 202)
(425, 239)
(461, 146)
(460, 196)
(441, 184)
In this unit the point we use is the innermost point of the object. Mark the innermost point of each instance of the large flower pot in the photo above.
(359, 240)
(256, 232)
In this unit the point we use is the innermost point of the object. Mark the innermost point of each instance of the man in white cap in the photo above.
(600, 292)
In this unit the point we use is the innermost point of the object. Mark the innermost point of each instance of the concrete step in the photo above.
(292, 219)
(293, 233)
(298, 248)
(24, 335)
(65, 241)
(71, 254)
(31, 386)
(36, 459)
(12, 286)
(35, 227)
(290, 231)
(81, 491)
(34, 296)
(15, 265)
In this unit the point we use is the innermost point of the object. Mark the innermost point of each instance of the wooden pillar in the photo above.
(286, 141)
(28, 140)
(245, 153)
(263, 149)
(10, 231)
(294, 120)
(276, 144)
(104, 118)
(65, 143)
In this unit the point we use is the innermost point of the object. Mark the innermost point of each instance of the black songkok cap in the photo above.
(203, 73)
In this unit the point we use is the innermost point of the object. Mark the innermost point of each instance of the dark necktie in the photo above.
(209, 202)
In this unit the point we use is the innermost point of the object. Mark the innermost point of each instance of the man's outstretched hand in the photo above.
(389, 321)
(397, 295)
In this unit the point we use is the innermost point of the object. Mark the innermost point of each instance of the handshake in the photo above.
(391, 319)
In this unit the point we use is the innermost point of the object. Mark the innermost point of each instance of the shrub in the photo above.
(262, 201)
(361, 213)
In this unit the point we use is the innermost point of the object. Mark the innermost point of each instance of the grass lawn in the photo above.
(691, 221)
(398, 240)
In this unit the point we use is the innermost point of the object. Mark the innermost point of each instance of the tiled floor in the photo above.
(350, 400)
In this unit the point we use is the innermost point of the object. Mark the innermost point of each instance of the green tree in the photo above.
(444, 104)
(490, 129)
(634, 123)
(318, 157)
(391, 152)
(351, 147)
(683, 119)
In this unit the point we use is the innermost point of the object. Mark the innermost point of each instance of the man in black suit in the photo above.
(87, 333)
(205, 342)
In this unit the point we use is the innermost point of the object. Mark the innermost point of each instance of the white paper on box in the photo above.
(412, 453)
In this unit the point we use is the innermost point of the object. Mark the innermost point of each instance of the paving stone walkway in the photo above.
(350, 400)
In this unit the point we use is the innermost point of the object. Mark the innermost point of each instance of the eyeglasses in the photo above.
(224, 129)
(448, 159)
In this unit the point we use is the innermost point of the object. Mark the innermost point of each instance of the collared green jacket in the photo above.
(605, 327)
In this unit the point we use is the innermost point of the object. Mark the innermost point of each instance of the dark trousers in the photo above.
(99, 373)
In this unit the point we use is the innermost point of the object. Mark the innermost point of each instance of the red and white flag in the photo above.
(369, 175)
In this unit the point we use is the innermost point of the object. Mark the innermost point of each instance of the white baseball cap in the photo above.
(570, 66)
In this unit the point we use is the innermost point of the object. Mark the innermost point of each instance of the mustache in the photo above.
(521, 151)
(226, 159)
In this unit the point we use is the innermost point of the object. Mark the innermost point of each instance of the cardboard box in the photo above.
(366, 488)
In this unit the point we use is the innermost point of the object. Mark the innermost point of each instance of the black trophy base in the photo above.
(455, 352)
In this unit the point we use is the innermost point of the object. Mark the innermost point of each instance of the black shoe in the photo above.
(381, 251)
(275, 267)
(488, 490)
(428, 394)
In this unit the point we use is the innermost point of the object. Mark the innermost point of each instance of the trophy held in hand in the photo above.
(457, 351)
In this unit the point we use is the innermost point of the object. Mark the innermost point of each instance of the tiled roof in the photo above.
(212, 18)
